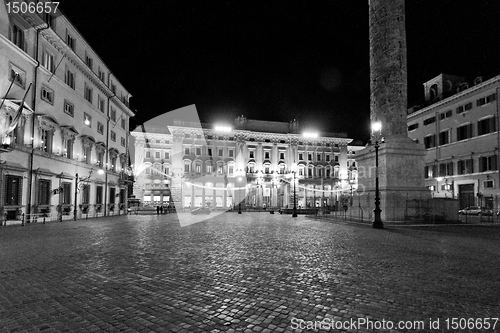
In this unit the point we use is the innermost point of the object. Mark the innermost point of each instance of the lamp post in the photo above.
(294, 170)
(239, 174)
(377, 222)
(80, 181)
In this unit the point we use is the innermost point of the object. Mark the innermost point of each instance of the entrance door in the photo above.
(466, 195)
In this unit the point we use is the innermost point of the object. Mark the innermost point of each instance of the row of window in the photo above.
(13, 192)
(463, 132)
(460, 109)
(464, 166)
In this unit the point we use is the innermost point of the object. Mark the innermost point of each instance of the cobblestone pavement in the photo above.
(253, 272)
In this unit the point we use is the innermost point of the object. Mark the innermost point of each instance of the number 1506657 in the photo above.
(18, 7)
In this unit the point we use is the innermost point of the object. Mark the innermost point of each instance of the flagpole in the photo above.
(8, 90)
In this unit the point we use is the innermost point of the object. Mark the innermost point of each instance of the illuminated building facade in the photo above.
(75, 122)
(251, 162)
(459, 128)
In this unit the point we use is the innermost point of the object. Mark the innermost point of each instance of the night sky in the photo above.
(277, 60)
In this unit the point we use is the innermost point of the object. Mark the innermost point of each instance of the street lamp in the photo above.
(376, 132)
(239, 174)
(79, 182)
(294, 170)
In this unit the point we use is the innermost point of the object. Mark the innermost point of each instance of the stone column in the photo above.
(401, 161)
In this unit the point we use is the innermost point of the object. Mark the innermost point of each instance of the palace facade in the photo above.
(251, 162)
(459, 127)
(67, 156)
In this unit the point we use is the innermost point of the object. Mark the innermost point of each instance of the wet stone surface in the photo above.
(253, 272)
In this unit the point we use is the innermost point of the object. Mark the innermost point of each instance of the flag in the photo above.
(17, 117)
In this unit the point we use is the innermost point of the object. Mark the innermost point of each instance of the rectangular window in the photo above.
(430, 171)
(220, 169)
(100, 103)
(100, 128)
(70, 41)
(85, 195)
(446, 169)
(460, 109)
(112, 114)
(309, 157)
(468, 106)
(221, 152)
(267, 154)
(69, 109)
(198, 168)
(123, 141)
(186, 151)
(198, 151)
(465, 167)
(282, 155)
(167, 155)
(17, 75)
(113, 88)
(318, 158)
(66, 195)
(148, 154)
(113, 136)
(209, 168)
(445, 115)
(488, 163)
(481, 101)
(87, 119)
(327, 173)
(47, 95)
(488, 184)
(491, 98)
(112, 195)
(89, 61)
(123, 122)
(69, 78)
(98, 195)
(252, 154)
(430, 141)
(18, 37)
(301, 156)
(46, 140)
(266, 169)
(44, 192)
(68, 148)
(412, 127)
(429, 121)
(464, 132)
(48, 61)
(209, 152)
(87, 93)
(100, 73)
(444, 137)
(186, 167)
(486, 126)
(13, 190)
(230, 153)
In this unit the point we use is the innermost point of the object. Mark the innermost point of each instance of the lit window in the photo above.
(87, 119)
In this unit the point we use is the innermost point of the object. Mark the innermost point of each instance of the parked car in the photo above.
(475, 210)
(201, 210)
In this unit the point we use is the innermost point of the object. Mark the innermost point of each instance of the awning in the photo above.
(48, 117)
(65, 175)
(12, 105)
(88, 138)
(69, 128)
(43, 171)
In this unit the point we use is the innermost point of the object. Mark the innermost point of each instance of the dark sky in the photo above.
(277, 60)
